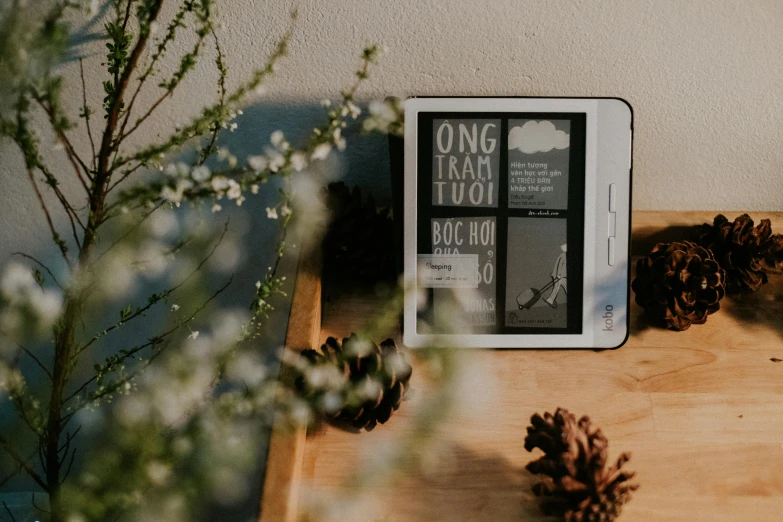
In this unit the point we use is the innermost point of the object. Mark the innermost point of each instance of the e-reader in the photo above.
(517, 219)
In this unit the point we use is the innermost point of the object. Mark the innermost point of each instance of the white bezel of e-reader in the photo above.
(607, 220)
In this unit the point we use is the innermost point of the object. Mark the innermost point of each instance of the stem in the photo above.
(23, 463)
(64, 332)
(86, 110)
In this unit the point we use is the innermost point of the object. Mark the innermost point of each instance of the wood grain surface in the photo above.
(286, 447)
(701, 412)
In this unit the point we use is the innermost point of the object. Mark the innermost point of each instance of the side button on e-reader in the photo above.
(612, 197)
(612, 221)
(612, 224)
(611, 251)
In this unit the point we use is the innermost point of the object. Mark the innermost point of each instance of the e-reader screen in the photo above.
(500, 223)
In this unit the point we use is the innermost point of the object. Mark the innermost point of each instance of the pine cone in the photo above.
(359, 244)
(679, 284)
(747, 253)
(574, 460)
(355, 385)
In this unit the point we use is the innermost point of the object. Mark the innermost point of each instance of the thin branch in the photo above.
(124, 176)
(86, 110)
(70, 464)
(141, 311)
(39, 508)
(55, 236)
(68, 438)
(121, 87)
(20, 408)
(127, 15)
(73, 217)
(159, 52)
(129, 231)
(73, 157)
(169, 92)
(203, 123)
(31, 258)
(221, 65)
(40, 364)
(151, 343)
(23, 463)
(13, 519)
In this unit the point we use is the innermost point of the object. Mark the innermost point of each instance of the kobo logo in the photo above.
(608, 319)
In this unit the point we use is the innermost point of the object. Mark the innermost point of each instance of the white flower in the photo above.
(382, 110)
(257, 163)
(201, 173)
(233, 127)
(341, 144)
(20, 290)
(276, 160)
(326, 103)
(174, 307)
(355, 110)
(176, 194)
(223, 153)
(234, 190)
(271, 213)
(170, 194)
(158, 472)
(254, 188)
(216, 208)
(163, 223)
(247, 368)
(47, 305)
(219, 183)
(298, 161)
(369, 389)
(182, 168)
(170, 170)
(193, 335)
(258, 285)
(321, 151)
(17, 280)
(277, 138)
(285, 210)
(337, 134)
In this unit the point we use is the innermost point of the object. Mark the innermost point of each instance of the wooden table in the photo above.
(701, 411)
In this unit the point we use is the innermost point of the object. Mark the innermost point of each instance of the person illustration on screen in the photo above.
(559, 280)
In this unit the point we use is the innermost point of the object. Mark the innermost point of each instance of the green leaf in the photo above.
(38, 277)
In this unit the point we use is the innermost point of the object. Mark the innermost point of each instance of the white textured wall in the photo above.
(705, 79)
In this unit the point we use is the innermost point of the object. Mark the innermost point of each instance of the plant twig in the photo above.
(40, 364)
(86, 110)
(151, 343)
(55, 236)
(222, 70)
(31, 258)
(70, 151)
(170, 87)
(164, 294)
(22, 462)
(7, 510)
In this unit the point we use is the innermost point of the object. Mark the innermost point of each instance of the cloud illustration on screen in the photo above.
(537, 136)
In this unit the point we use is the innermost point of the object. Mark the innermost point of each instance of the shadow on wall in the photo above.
(250, 240)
